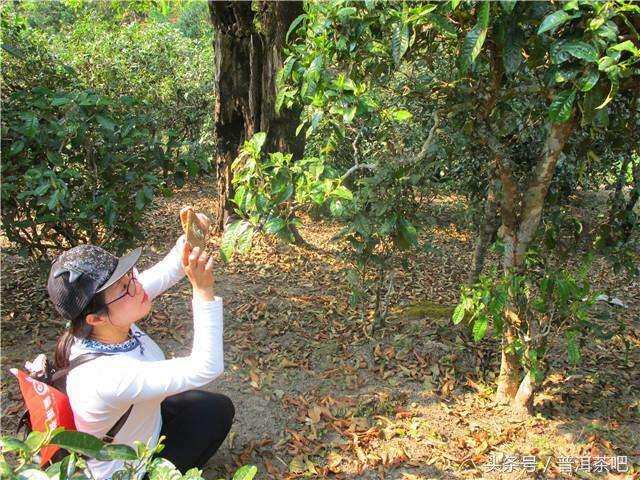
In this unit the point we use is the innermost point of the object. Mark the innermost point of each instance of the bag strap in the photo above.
(76, 362)
(81, 360)
(110, 435)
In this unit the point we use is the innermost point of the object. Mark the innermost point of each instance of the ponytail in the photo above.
(78, 328)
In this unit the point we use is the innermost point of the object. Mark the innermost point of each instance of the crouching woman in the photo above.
(103, 296)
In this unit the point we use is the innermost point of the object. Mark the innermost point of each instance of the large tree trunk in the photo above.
(281, 127)
(246, 65)
(234, 111)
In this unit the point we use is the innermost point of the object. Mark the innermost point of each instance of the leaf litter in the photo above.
(316, 396)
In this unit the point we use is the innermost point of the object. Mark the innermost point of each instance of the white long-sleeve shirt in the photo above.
(137, 373)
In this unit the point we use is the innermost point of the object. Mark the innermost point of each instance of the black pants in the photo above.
(195, 424)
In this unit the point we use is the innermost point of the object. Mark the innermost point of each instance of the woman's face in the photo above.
(127, 301)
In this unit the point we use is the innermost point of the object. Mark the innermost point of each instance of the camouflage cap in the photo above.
(81, 272)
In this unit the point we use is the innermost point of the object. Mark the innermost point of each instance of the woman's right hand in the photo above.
(198, 266)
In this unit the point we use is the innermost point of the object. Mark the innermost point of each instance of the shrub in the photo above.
(20, 459)
(95, 124)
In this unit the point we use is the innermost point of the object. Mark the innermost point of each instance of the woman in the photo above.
(103, 297)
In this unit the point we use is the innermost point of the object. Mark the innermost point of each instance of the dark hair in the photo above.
(79, 329)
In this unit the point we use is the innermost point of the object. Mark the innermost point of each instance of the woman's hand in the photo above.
(198, 266)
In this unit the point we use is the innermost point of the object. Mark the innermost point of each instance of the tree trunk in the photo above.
(536, 193)
(509, 377)
(234, 110)
(517, 232)
(523, 400)
(246, 65)
(488, 229)
(276, 19)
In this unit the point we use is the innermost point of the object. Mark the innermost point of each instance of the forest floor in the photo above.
(317, 395)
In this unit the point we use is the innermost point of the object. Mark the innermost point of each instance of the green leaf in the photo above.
(117, 452)
(60, 101)
(245, 239)
(140, 199)
(402, 115)
(245, 473)
(5, 470)
(346, 12)
(342, 192)
(512, 50)
(10, 444)
(42, 189)
(193, 474)
(571, 5)
(562, 75)
(605, 62)
(16, 147)
(274, 225)
(349, 114)
(78, 442)
(67, 467)
(572, 347)
(480, 327)
(408, 236)
(399, 41)
(626, 46)
(588, 80)
(553, 21)
(299, 19)
(228, 242)
(458, 313)
(483, 15)
(612, 93)
(163, 469)
(336, 207)
(609, 31)
(106, 122)
(562, 106)
(508, 5)
(283, 193)
(591, 100)
(471, 47)
(32, 474)
(454, 4)
(258, 140)
(443, 25)
(53, 200)
(581, 50)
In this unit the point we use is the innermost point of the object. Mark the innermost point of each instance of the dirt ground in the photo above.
(317, 396)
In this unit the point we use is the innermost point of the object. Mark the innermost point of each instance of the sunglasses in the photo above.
(131, 289)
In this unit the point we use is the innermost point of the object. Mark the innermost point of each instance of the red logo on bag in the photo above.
(48, 407)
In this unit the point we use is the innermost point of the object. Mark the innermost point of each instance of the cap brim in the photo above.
(125, 263)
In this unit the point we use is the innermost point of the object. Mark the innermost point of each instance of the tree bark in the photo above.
(234, 110)
(532, 341)
(518, 228)
(246, 65)
(281, 127)
(536, 193)
(488, 229)
(509, 377)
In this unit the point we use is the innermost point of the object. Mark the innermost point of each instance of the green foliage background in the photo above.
(106, 104)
